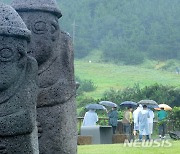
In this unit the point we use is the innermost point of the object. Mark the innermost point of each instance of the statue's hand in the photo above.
(40, 130)
(3, 149)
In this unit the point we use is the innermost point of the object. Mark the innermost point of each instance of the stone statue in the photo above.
(52, 48)
(18, 89)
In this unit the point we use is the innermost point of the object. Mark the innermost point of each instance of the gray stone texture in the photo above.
(53, 51)
(18, 88)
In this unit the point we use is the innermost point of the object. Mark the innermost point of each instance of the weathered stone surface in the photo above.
(18, 89)
(53, 51)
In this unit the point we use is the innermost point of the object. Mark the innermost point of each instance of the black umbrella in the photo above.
(95, 107)
(128, 104)
(108, 103)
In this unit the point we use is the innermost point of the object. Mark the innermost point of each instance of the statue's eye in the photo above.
(6, 54)
(39, 27)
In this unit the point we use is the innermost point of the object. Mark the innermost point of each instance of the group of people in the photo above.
(142, 118)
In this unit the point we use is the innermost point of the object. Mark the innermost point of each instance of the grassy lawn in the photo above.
(107, 76)
(120, 149)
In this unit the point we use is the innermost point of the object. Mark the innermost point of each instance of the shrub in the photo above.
(83, 101)
(160, 93)
(174, 116)
(85, 86)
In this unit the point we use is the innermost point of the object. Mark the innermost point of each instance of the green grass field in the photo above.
(107, 76)
(120, 149)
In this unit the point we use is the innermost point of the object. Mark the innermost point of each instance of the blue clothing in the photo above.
(113, 117)
(143, 122)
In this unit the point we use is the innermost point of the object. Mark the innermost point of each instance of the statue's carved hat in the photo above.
(11, 24)
(37, 5)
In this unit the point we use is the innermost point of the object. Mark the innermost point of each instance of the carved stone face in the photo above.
(45, 31)
(12, 60)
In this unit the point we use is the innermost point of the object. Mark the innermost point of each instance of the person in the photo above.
(162, 115)
(113, 117)
(90, 118)
(135, 118)
(150, 122)
(127, 120)
(143, 123)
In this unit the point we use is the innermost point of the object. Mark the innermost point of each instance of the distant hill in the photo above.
(106, 76)
(125, 31)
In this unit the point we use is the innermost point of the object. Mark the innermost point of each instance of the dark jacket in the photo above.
(113, 117)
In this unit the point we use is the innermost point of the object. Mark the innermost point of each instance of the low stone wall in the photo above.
(84, 140)
(119, 138)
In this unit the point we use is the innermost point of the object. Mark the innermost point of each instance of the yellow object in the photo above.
(130, 116)
(165, 106)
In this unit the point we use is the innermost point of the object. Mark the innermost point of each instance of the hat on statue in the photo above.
(11, 24)
(37, 5)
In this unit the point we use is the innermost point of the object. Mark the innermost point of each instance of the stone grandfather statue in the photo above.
(52, 48)
(18, 89)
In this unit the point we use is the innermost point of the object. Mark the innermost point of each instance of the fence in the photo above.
(104, 121)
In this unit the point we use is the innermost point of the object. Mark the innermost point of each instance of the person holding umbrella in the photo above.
(162, 115)
(113, 117)
(143, 123)
(135, 118)
(127, 120)
(90, 118)
(150, 122)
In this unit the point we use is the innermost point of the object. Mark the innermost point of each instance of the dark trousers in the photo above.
(127, 129)
(114, 129)
(162, 129)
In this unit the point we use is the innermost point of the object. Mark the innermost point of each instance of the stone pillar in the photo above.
(53, 51)
(18, 89)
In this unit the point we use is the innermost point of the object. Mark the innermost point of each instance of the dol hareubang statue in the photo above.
(52, 49)
(18, 90)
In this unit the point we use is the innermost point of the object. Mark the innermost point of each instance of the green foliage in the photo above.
(88, 85)
(125, 30)
(159, 93)
(174, 116)
(120, 115)
(83, 101)
(171, 65)
(127, 94)
(85, 86)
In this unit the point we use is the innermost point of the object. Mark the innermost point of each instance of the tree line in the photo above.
(124, 30)
(127, 31)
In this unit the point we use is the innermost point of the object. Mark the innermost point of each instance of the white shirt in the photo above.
(151, 116)
(90, 118)
(135, 114)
